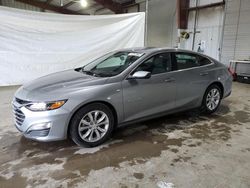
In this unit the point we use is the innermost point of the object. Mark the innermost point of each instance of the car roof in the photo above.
(155, 49)
(144, 49)
(149, 50)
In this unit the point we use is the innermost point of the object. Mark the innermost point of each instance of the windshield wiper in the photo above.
(87, 72)
(90, 73)
(104, 75)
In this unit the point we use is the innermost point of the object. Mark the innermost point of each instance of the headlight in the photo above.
(43, 106)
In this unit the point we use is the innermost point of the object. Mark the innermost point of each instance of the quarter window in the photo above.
(185, 61)
(203, 61)
(157, 64)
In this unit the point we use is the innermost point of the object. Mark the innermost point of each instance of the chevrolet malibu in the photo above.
(122, 87)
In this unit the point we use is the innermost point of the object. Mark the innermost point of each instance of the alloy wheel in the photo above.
(213, 99)
(93, 126)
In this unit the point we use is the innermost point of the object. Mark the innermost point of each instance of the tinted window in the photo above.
(185, 61)
(203, 61)
(157, 64)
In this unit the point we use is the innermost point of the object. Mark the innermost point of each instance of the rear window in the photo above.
(186, 60)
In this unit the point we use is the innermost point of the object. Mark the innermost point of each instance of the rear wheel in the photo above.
(211, 99)
(92, 125)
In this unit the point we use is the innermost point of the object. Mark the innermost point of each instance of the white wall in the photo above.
(161, 22)
(161, 19)
(208, 29)
(227, 42)
(236, 36)
(162, 31)
(16, 4)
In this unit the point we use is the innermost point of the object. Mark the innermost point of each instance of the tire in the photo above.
(210, 105)
(92, 125)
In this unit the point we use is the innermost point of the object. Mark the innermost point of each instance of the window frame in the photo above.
(152, 55)
(192, 54)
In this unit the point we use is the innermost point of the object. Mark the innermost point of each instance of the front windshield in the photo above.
(111, 64)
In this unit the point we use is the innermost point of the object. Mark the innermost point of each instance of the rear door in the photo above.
(192, 78)
(144, 97)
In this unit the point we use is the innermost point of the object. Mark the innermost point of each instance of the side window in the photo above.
(203, 61)
(157, 64)
(185, 61)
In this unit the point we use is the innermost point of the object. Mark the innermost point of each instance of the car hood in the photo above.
(57, 85)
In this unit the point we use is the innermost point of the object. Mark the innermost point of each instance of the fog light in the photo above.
(39, 126)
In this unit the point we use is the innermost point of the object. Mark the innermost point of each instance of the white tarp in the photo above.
(33, 44)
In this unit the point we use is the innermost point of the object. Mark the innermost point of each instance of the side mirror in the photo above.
(140, 75)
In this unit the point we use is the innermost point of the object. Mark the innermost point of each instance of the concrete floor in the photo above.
(183, 150)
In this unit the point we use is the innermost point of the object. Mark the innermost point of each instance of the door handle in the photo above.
(169, 80)
(204, 74)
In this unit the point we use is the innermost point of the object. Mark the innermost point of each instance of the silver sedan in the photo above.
(122, 87)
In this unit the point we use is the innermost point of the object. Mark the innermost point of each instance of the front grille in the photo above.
(18, 115)
(20, 101)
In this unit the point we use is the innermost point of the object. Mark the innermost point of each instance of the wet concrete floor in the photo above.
(181, 150)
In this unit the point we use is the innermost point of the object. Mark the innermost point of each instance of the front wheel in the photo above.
(211, 99)
(92, 125)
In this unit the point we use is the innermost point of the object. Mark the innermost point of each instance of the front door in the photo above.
(144, 97)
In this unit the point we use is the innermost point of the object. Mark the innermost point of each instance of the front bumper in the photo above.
(42, 126)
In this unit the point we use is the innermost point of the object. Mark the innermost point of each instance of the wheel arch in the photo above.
(110, 106)
(219, 84)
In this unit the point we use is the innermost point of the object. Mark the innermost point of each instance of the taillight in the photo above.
(232, 72)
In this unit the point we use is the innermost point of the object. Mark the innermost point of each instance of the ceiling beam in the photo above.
(129, 3)
(182, 13)
(94, 5)
(111, 5)
(100, 9)
(49, 1)
(44, 5)
(68, 4)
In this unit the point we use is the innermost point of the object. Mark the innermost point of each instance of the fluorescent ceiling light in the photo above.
(84, 3)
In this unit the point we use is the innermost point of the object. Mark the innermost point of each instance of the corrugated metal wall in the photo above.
(209, 26)
(203, 2)
(15, 4)
(236, 36)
